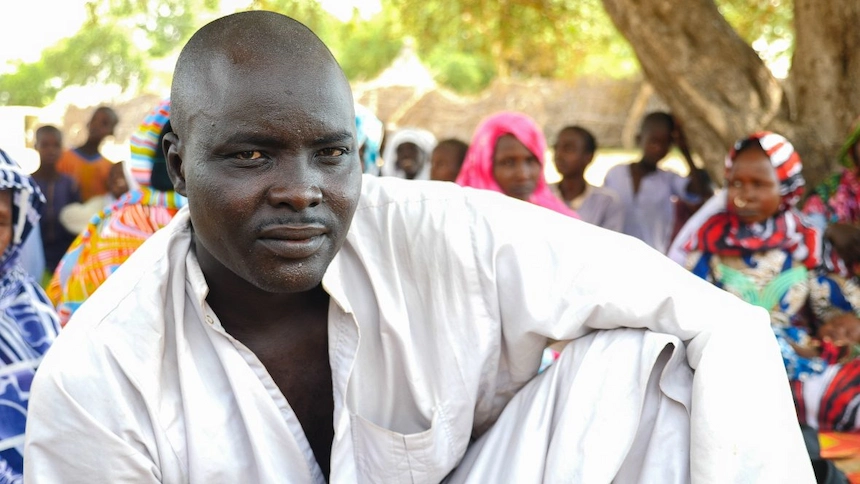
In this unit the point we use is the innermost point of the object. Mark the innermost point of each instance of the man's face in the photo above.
(49, 147)
(445, 164)
(409, 159)
(101, 125)
(655, 141)
(269, 164)
(571, 157)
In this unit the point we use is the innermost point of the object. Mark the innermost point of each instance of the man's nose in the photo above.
(296, 190)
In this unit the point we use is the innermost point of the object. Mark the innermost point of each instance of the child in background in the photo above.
(574, 150)
(76, 216)
(59, 189)
(447, 159)
(85, 163)
(647, 191)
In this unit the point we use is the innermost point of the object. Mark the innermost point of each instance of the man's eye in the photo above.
(332, 152)
(249, 155)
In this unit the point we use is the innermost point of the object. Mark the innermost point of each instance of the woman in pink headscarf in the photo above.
(507, 155)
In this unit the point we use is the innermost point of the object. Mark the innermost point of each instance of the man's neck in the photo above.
(90, 148)
(46, 172)
(244, 307)
(572, 186)
(645, 167)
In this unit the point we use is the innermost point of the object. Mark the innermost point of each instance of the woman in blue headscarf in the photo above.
(369, 130)
(28, 323)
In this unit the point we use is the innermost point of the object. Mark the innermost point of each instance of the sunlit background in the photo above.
(367, 36)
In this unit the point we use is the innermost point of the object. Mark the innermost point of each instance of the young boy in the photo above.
(85, 163)
(647, 191)
(447, 159)
(59, 190)
(574, 149)
(76, 216)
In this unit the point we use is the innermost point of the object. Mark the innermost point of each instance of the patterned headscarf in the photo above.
(423, 139)
(117, 231)
(28, 322)
(27, 200)
(477, 171)
(725, 234)
(369, 130)
(144, 143)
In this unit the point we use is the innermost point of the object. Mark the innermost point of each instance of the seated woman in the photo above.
(507, 156)
(28, 323)
(115, 233)
(760, 248)
(837, 199)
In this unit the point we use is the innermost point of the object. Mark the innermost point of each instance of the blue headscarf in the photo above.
(28, 322)
(369, 130)
(27, 201)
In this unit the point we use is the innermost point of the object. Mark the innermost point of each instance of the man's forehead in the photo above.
(280, 89)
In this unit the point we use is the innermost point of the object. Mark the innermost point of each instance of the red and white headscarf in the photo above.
(725, 234)
(477, 171)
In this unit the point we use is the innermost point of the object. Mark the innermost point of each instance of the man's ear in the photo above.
(175, 167)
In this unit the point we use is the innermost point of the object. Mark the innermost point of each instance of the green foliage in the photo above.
(466, 43)
(767, 25)
(364, 48)
(104, 49)
(461, 72)
(520, 38)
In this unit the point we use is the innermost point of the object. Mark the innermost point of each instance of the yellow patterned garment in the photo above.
(109, 239)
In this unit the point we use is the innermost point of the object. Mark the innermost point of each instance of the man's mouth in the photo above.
(293, 241)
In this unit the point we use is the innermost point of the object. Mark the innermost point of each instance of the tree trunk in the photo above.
(824, 85)
(721, 90)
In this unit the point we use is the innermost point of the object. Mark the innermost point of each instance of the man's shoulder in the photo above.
(135, 293)
(424, 203)
(618, 170)
(383, 191)
(605, 192)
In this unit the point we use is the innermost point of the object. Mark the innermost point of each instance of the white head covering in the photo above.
(423, 139)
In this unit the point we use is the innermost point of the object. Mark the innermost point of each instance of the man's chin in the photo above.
(288, 283)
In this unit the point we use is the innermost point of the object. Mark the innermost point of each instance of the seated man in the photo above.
(299, 323)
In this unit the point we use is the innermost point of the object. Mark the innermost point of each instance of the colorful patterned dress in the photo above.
(117, 231)
(832, 401)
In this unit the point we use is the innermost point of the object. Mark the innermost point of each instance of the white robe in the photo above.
(442, 300)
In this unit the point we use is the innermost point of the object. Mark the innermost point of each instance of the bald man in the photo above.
(297, 323)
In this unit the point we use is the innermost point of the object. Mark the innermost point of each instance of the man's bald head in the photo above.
(263, 146)
(243, 42)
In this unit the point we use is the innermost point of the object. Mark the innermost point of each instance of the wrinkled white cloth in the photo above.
(442, 301)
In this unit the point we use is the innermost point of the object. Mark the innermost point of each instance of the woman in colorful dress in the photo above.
(762, 249)
(115, 233)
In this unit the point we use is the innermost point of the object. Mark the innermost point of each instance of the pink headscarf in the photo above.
(477, 171)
